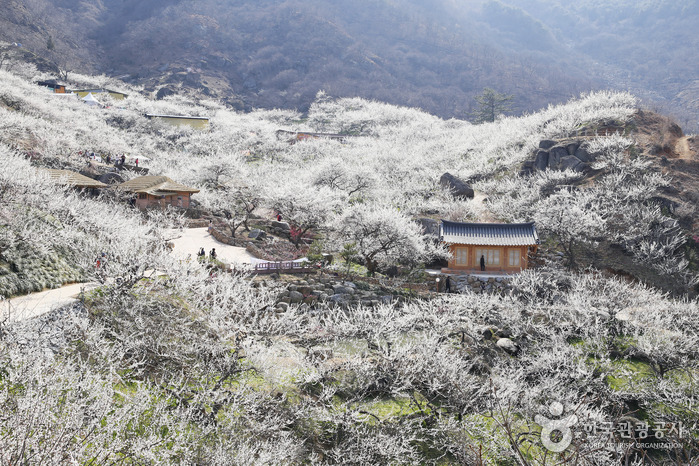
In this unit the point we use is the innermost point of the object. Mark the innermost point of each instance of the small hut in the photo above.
(504, 247)
(158, 191)
(195, 122)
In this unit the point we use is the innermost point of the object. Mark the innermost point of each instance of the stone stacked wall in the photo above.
(466, 283)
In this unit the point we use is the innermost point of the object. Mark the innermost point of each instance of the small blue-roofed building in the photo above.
(504, 247)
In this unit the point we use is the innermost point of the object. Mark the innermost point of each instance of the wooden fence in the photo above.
(282, 267)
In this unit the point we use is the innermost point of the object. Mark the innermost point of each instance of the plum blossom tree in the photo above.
(304, 208)
(382, 236)
(569, 218)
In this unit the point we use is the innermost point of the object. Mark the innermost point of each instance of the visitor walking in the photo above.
(482, 263)
(447, 285)
(212, 254)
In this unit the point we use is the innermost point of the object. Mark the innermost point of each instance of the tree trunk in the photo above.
(370, 266)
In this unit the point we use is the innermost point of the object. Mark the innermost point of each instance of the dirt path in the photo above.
(36, 304)
(482, 213)
(186, 244)
(191, 239)
(683, 150)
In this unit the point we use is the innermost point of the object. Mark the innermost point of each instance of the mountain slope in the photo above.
(435, 55)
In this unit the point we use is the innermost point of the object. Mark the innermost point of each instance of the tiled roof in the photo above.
(74, 179)
(489, 234)
(155, 185)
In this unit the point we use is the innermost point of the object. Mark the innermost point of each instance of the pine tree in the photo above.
(491, 104)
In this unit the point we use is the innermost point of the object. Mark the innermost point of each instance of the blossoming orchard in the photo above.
(360, 359)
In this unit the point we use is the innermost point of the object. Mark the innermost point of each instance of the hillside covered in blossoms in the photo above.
(166, 359)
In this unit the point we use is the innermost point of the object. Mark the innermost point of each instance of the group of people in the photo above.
(118, 161)
(202, 254)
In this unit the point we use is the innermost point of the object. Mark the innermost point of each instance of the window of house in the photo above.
(142, 196)
(492, 256)
(461, 256)
(514, 257)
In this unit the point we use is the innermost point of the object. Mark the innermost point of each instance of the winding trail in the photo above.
(682, 148)
(35, 304)
(188, 242)
(482, 213)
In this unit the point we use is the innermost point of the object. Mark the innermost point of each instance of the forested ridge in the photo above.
(434, 55)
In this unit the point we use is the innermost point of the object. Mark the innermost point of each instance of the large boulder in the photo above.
(110, 178)
(165, 91)
(456, 186)
(430, 226)
(256, 233)
(507, 345)
(582, 154)
(546, 144)
(341, 289)
(571, 162)
(555, 156)
(295, 297)
(280, 225)
(542, 160)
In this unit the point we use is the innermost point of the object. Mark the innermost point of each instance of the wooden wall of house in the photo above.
(464, 258)
(145, 200)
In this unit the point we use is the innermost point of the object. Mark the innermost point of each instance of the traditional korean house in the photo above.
(160, 191)
(505, 247)
(195, 122)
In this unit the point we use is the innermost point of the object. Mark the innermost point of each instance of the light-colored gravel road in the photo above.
(36, 304)
(188, 242)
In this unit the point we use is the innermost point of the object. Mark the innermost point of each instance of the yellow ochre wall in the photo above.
(474, 262)
(96, 93)
(193, 122)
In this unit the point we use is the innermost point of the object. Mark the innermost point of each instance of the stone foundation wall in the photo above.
(466, 283)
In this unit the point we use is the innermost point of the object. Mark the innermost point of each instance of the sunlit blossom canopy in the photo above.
(489, 234)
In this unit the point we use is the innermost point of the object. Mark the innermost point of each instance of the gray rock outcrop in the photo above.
(430, 227)
(569, 154)
(280, 225)
(457, 186)
(256, 233)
